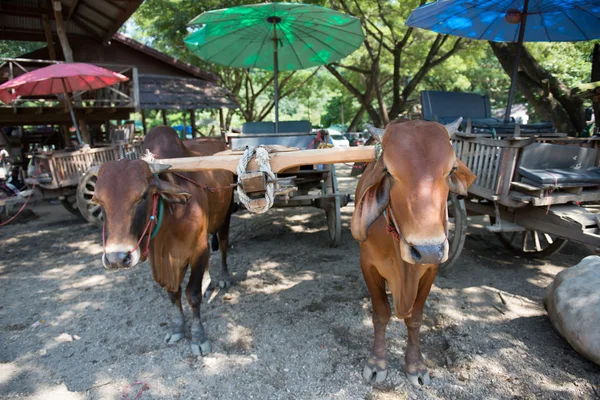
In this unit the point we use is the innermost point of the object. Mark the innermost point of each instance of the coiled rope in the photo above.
(262, 158)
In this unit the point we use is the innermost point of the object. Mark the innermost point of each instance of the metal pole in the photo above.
(72, 113)
(514, 77)
(276, 74)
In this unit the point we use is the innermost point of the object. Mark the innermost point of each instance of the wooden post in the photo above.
(222, 120)
(85, 131)
(164, 115)
(107, 130)
(48, 34)
(144, 122)
(62, 32)
(183, 130)
(193, 122)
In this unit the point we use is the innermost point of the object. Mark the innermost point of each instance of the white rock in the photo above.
(573, 305)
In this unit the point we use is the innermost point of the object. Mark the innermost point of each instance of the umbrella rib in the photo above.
(545, 27)
(454, 15)
(218, 38)
(318, 40)
(325, 44)
(488, 27)
(576, 25)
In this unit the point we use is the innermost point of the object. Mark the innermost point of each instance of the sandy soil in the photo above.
(296, 324)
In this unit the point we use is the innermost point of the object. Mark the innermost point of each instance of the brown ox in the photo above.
(127, 189)
(400, 221)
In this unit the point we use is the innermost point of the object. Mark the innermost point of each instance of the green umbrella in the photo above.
(275, 36)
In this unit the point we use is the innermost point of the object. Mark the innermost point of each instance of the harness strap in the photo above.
(157, 209)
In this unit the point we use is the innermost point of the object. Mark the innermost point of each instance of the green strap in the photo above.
(159, 218)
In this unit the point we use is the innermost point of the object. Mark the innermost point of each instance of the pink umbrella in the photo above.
(60, 78)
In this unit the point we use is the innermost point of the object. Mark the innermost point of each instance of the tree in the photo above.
(395, 60)
(15, 48)
(163, 24)
(549, 95)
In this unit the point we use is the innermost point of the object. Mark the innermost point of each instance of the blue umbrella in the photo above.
(511, 21)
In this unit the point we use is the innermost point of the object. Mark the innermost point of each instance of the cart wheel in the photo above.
(332, 211)
(85, 190)
(529, 243)
(457, 230)
(70, 204)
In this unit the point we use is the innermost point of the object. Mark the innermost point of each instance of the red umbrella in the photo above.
(57, 79)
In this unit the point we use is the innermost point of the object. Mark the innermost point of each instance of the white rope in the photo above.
(262, 158)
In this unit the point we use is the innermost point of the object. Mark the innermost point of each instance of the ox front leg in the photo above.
(177, 319)
(223, 235)
(193, 292)
(414, 367)
(376, 368)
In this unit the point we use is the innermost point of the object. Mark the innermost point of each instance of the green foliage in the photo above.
(15, 48)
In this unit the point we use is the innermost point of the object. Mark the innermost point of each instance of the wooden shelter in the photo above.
(85, 31)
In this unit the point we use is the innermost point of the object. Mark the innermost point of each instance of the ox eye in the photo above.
(453, 170)
(145, 195)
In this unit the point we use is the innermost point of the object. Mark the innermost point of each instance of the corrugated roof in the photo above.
(158, 92)
(189, 68)
(100, 19)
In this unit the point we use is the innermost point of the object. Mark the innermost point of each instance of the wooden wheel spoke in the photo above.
(548, 238)
(536, 239)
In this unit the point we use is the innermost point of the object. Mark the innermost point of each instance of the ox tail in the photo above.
(214, 243)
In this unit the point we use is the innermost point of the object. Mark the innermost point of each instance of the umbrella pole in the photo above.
(69, 105)
(276, 76)
(515, 71)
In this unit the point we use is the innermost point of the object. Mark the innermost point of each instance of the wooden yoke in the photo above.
(280, 160)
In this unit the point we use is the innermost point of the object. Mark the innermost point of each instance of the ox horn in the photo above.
(452, 127)
(157, 168)
(377, 133)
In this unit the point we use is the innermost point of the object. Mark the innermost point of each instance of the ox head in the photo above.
(411, 180)
(126, 190)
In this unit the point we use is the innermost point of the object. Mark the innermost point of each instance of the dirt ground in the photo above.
(296, 324)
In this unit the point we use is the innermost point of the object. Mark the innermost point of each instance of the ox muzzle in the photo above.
(120, 257)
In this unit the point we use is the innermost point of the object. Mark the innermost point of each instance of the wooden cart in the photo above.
(538, 192)
(70, 175)
(314, 185)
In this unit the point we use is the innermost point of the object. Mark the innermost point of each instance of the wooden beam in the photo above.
(280, 161)
(61, 31)
(130, 7)
(98, 11)
(164, 116)
(49, 39)
(8, 9)
(193, 122)
(115, 4)
(86, 21)
(144, 122)
(73, 8)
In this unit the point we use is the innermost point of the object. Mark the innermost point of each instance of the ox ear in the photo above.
(461, 179)
(374, 198)
(170, 192)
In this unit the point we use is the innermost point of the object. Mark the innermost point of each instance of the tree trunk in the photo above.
(356, 119)
(549, 96)
(596, 78)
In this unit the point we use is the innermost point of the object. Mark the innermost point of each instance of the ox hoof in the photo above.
(419, 379)
(202, 349)
(225, 284)
(172, 338)
(374, 374)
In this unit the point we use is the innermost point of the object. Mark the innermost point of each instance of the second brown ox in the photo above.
(400, 220)
(129, 191)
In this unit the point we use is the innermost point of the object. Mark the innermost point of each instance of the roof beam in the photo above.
(20, 11)
(98, 11)
(130, 7)
(115, 4)
(86, 27)
(73, 8)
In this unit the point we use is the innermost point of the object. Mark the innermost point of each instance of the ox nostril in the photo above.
(127, 260)
(415, 253)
